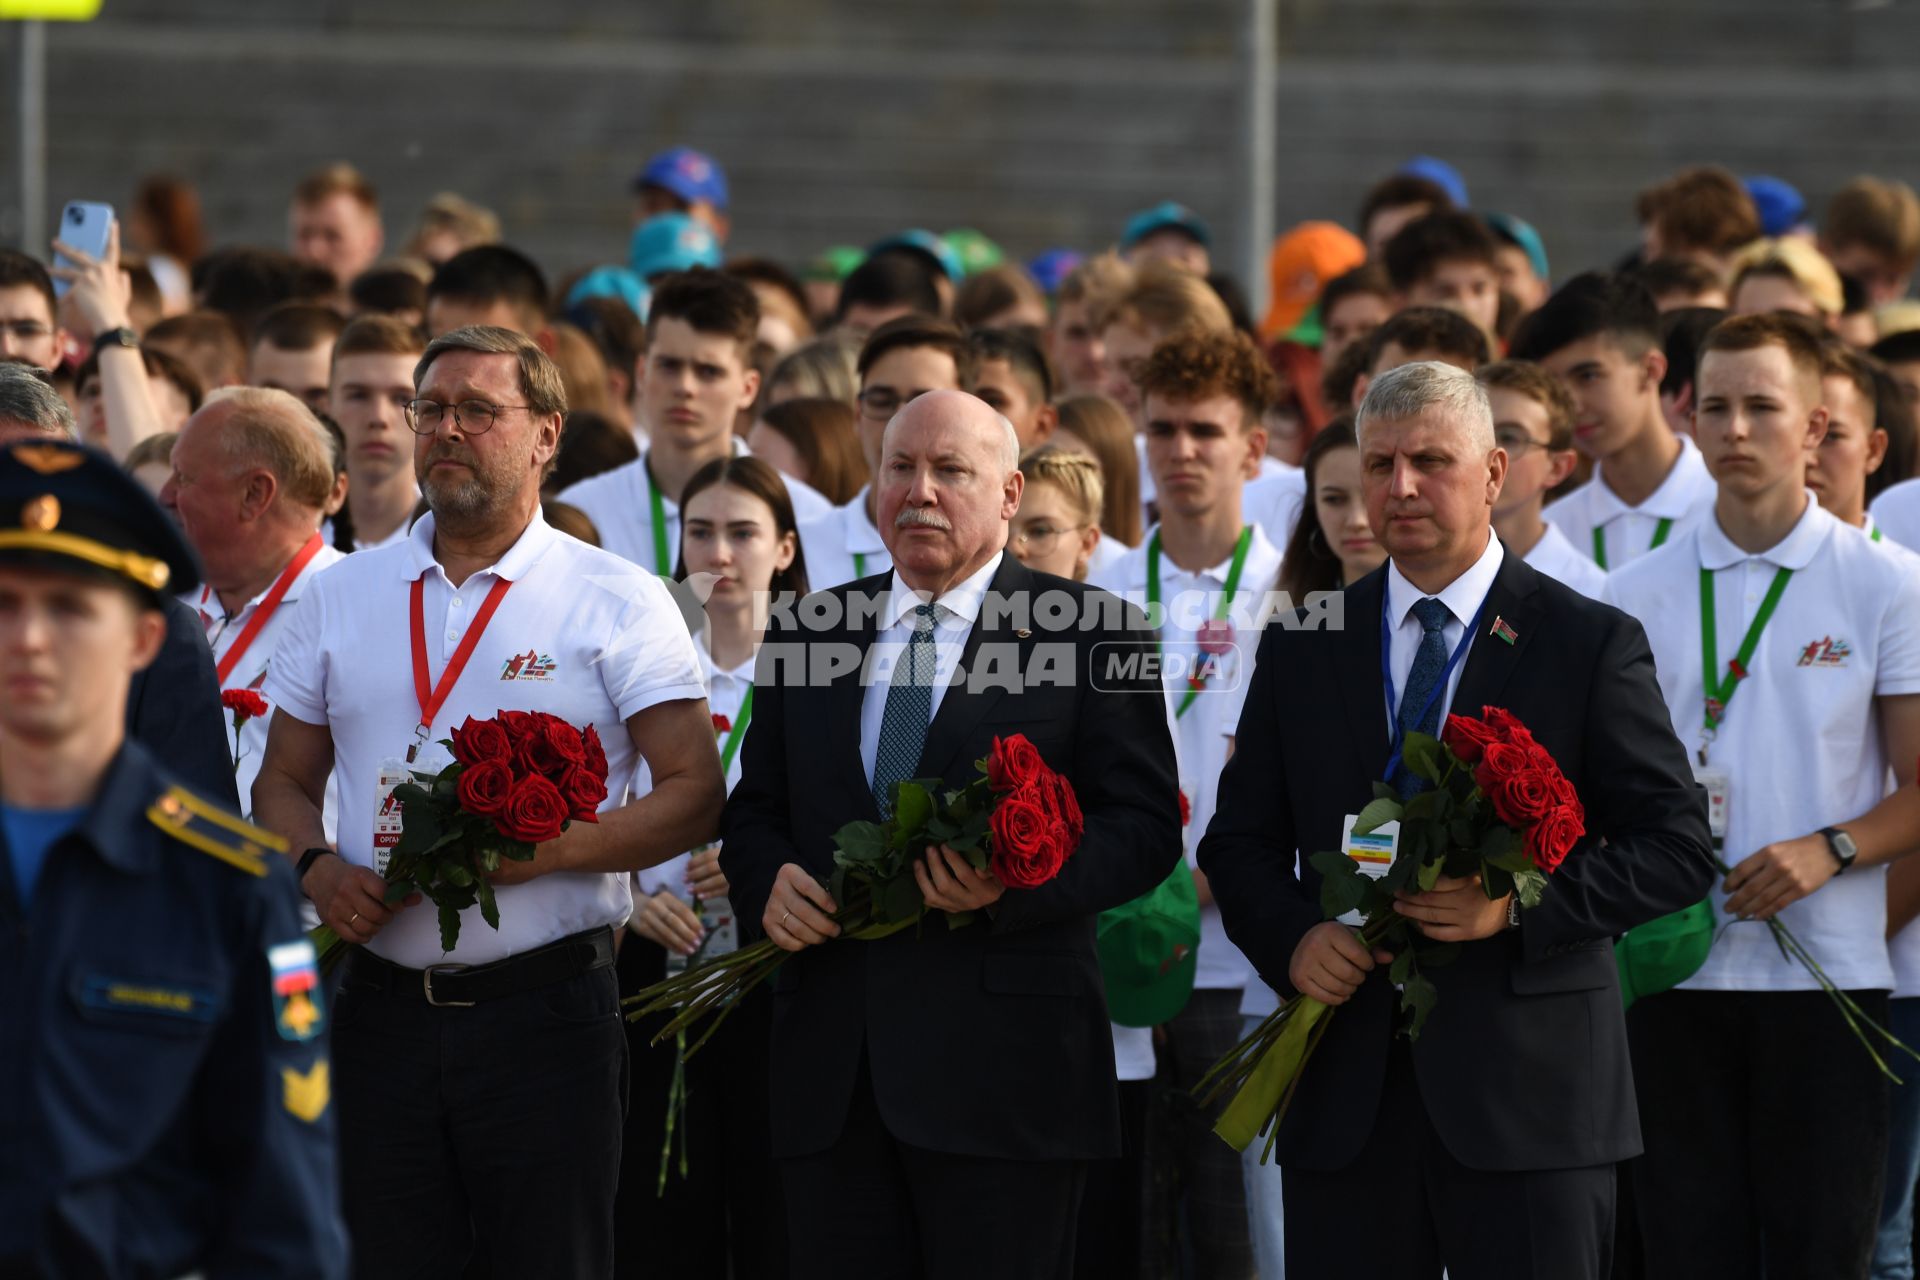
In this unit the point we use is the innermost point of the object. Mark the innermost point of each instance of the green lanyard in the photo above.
(1220, 611)
(1660, 532)
(859, 564)
(731, 747)
(662, 561)
(1720, 690)
(1875, 535)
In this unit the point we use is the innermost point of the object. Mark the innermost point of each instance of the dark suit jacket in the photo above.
(173, 710)
(1523, 1063)
(991, 1040)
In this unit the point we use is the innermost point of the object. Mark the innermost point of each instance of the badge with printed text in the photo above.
(1718, 784)
(1373, 853)
(296, 990)
(387, 824)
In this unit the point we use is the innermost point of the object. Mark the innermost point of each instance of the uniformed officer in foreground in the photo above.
(164, 1097)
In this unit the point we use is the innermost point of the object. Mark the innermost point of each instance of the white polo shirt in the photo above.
(1200, 741)
(250, 670)
(843, 545)
(726, 694)
(581, 634)
(1274, 502)
(1626, 532)
(1896, 512)
(620, 504)
(1801, 736)
(1554, 556)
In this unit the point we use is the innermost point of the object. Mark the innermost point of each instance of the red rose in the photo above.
(1028, 846)
(551, 747)
(1549, 840)
(518, 724)
(1523, 798)
(535, 812)
(244, 703)
(583, 791)
(1501, 760)
(1058, 799)
(1468, 738)
(1013, 763)
(1506, 726)
(478, 740)
(485, 787)
(596, 762)
(1186, 810)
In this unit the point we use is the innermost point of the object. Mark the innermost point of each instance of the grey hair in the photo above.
(27, 398)
(1009, 437)
(1411, 389)
(267, 427)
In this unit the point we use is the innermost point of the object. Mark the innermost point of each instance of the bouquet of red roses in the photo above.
(1018, 818)
(516, 781)
(1498, 808)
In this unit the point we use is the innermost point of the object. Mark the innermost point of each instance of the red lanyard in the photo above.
(431, 697)
(275, 594)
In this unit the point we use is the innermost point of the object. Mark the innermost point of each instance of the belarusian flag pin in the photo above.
(1503, 631)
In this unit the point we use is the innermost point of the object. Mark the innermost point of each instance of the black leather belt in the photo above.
(462, 986)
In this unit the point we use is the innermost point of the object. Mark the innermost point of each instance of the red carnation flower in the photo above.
(721, 724)
(485, 788)
(478, 740)
(535, 811)
(244, 703)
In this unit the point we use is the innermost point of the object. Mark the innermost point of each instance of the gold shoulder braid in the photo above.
(204, 825)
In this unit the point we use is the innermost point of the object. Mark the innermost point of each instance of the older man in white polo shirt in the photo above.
(1788, 649)
(481, 1090)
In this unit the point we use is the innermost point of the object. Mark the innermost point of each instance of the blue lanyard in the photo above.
(1386, 678)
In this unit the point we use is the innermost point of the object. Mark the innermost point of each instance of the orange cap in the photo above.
(1302, 262)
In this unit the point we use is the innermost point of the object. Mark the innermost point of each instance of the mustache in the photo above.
(922, 517)
(448, 453)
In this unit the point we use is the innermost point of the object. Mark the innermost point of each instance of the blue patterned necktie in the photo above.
(1419, 706)
(903, 724)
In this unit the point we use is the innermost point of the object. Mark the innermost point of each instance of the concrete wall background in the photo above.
(1040, 121)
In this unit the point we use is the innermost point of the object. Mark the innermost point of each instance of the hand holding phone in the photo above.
(84, 225)
(95, 294)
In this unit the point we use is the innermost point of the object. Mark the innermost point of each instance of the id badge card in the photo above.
(1373, 853)
(386, 811)
(1719, 786)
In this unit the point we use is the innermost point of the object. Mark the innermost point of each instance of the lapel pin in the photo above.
(1023, 634)
(1503, 631)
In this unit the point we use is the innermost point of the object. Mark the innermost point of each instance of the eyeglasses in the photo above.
(474, 417)
(1039, 538)
(881, 403)
(1517, 442)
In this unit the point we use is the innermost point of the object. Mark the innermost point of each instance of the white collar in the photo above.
(1260, 550)
(742, 673)
(1463, 596)
(861, 533)
(532, 543)
(1673, 500)
(1795, 551)
(963, 600)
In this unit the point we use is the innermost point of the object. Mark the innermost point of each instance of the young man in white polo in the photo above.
(481, 1090)
(1788, 648)
(903, 358)
(1600, 335)
(696, 376)
(1533, 422)
(1204, 571)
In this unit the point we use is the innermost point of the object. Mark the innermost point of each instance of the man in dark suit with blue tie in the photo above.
(1488, 1146)
(937, 1093)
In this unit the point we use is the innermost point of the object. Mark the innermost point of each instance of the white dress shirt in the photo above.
(960, 608)
(1463, 598)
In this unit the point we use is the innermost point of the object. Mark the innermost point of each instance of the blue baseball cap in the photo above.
(928, 245)
(1051, 268)
(691, 175)
(1781, 206)
(617, 283)
(1168, 215)
(671, 242)
(1445, 175)
(1520, 233)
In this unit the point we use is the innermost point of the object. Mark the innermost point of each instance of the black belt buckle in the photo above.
(426, 986)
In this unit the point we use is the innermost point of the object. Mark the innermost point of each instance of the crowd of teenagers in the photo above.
(1714, 433)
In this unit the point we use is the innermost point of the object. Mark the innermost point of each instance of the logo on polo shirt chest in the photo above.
(531, 665)
(1826, 652)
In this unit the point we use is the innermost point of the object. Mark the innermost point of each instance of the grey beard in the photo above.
(464, 501)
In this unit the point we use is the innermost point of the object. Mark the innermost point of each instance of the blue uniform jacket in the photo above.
(164, 1095)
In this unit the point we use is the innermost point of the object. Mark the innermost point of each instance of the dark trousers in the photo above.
(1110, 1237)
(875, 1207)
(1406, 1208)
(724, 1218)
(491, 1132)
(1208, 1211)
(1766, 1130)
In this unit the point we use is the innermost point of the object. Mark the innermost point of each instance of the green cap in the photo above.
(1661, 954)
(975, 251)
(835, 264)
(1149, 949)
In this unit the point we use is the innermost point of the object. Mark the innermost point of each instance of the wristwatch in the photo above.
(307, 860)
(121, 337)
(1842, 845)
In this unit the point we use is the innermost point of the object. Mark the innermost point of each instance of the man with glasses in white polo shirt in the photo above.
(902, 359)
(1788, 651)
(481, 1089)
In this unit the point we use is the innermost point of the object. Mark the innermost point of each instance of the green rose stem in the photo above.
(331, 946)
